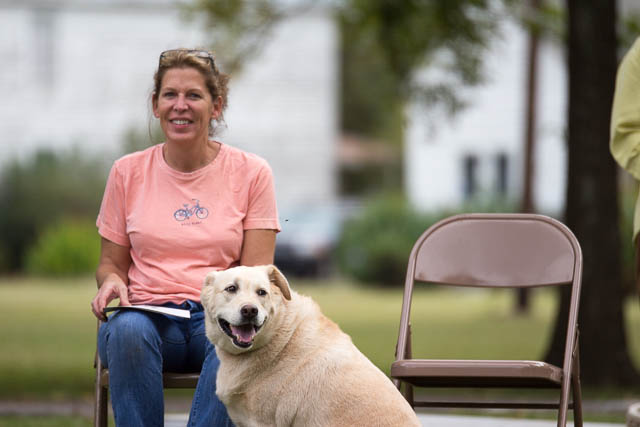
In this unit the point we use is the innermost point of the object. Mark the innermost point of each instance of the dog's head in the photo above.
(239, 302)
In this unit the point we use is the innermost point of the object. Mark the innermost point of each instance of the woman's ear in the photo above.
(216, 112)
(154, 105)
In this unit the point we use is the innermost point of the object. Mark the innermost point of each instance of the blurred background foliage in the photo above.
(71, 247)
(41, 191)
(50, 201)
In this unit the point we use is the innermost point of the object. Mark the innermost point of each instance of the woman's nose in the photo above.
(180, 103)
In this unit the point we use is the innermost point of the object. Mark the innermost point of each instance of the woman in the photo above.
(169, 215)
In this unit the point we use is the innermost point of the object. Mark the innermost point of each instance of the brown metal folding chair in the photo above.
(494, 251)
(101, 404)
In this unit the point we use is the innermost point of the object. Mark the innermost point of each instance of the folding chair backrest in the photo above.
(495, 251)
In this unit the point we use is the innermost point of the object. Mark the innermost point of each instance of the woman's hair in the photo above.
(200, 60)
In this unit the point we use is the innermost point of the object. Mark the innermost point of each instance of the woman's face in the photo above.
(184, 106)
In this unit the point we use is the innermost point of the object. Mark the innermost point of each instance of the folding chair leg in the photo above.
(408, 393)
(562, 416)
(101, 404)
(564, 402)
(577, 402)
(572, 385)
(101, 412)
(576, 388)
(408, 388)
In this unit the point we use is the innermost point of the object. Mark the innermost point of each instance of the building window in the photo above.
(470, 167)
(502, 174)
(44, 48)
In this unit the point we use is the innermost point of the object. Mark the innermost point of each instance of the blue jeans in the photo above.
(138, 346)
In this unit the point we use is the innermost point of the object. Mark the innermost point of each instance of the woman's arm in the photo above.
(111, 276)
(258, 247)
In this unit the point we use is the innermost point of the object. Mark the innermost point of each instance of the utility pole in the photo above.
(527, 205)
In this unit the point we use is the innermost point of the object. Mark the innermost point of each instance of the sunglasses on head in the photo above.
(203, 54)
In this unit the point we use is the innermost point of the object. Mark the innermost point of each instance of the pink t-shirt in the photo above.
(180, 226)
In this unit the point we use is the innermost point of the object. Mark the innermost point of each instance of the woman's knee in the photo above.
(131, 332)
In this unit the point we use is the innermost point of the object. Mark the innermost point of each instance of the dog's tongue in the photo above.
(244, 333)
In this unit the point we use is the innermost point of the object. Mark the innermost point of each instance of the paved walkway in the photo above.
(431, 420)
(177, 413)
(481, 421)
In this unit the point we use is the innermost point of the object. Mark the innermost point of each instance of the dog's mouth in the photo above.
(242, 335)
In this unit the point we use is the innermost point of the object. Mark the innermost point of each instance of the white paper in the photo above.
(179, 312)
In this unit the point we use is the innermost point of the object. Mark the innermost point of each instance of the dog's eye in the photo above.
(232, 289)
(261, 292)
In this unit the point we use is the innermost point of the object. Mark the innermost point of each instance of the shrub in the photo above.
(66, 249)
(374, 247)
(41, 191)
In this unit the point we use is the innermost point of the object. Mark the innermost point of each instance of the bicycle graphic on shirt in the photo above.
(187, 212)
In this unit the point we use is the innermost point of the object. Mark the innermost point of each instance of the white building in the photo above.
(479, 151)
(79, 72)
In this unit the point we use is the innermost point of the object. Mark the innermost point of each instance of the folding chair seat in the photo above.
(494, 251)
(101, 403)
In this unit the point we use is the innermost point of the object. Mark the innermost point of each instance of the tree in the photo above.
(592, 203)
(384, 44)
(238, 29)
(449, 37)
(386, 48)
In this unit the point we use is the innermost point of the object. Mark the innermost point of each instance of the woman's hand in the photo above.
(112, 287)
(112, 277)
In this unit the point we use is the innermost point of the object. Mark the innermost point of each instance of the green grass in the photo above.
(371, 317)
(43, 421)
(48, 330)
(48, 337)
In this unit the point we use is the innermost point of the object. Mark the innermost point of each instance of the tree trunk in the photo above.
(592, 205)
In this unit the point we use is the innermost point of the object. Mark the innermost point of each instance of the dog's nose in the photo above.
(249, 311)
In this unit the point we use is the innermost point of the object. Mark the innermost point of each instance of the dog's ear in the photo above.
(278, 279)
(210, 278)
(207, 288)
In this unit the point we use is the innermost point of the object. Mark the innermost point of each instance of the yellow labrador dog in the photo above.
(283, 363)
